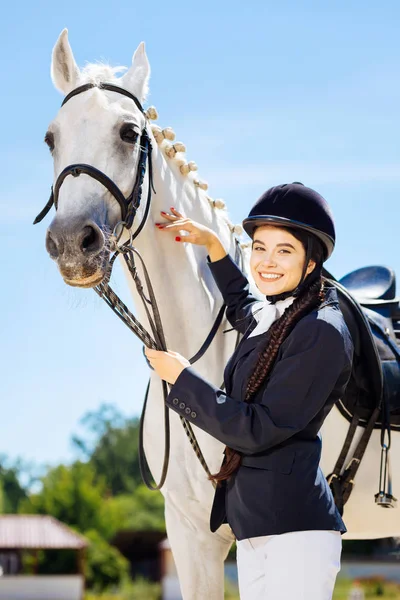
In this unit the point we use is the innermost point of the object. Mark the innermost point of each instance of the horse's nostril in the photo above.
(51, 246)
(92, 240)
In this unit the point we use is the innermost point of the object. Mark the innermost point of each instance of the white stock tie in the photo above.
(266, 313)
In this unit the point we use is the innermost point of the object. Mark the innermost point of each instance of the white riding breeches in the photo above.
(300, 565)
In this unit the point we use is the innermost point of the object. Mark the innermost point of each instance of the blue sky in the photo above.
(260, 92)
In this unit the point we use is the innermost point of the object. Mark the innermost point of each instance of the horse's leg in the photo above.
(198, 554)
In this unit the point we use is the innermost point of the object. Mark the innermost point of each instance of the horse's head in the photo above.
(100, 128)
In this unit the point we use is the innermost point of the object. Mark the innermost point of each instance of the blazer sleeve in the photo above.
(235, 290)
(300, 384)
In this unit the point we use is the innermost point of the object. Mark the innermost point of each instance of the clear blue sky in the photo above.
(261, 92)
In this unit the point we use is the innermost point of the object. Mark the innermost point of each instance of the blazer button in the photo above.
(193, 415)
(182, 405)
(175, 401)
(187, 410)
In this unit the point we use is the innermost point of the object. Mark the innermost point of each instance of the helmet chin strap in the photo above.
(303, 283)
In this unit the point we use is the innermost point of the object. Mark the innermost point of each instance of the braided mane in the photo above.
(173, 151)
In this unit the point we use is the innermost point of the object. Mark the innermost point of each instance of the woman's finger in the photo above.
(185, 226)
(169, 216)
(176, 213)
(150, 353)
(192, 239)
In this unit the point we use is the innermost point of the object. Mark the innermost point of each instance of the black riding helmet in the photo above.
(295, 206)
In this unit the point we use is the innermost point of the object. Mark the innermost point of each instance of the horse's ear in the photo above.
(64, 70)
(136, 79)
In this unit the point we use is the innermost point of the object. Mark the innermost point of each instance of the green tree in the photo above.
(11, 490)
(141, 511)
(73, 494)
(110, 443)
(105, 565)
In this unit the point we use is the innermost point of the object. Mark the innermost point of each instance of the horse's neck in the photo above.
(184, 288)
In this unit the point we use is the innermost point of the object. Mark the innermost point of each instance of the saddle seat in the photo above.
(373, 287)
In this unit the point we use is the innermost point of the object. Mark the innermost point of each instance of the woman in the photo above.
(291, 366)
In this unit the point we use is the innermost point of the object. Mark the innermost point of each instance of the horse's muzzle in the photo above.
(80, 252)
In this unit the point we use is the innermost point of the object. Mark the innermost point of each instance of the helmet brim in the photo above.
(251, 223)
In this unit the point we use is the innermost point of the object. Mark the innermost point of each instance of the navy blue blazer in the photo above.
(279, 486)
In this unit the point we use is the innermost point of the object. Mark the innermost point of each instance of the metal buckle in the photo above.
(357, 460)
(331, 477)
(116, 236)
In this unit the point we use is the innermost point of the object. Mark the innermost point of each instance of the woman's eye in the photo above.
(49, 140)
(128, 134)
(258, 248)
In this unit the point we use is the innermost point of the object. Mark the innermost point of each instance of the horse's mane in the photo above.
(100, 72)
(103, 72)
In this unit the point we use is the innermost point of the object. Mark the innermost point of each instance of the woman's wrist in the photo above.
(215, 250)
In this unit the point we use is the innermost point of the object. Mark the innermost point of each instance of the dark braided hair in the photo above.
(309, 299)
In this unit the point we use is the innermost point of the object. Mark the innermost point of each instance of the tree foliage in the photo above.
(105, 565)
(110, 444)
(141, 511)
(98, 495)
(73, 494)
(11, 490)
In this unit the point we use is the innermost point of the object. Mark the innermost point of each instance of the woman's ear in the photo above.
(311, 266)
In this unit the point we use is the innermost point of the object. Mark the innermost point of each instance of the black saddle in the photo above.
(371, 283)
(368, 301)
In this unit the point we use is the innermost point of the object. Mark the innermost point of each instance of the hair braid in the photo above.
(278, 332)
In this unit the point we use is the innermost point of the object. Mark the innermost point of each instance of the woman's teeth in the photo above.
(269, 276)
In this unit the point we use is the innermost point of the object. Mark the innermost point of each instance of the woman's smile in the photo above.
(270, 279)
(270, 283)
(270, 276)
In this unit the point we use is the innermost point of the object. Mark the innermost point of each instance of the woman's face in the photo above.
(277, 260)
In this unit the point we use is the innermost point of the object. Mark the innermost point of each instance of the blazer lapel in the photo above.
(246, 346)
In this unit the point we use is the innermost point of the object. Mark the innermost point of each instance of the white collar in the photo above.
(266, 313)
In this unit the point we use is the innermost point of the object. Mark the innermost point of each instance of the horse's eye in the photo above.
(128, 134)
(49, 139)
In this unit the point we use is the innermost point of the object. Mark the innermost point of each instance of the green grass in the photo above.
(374, 588)
(140, 589)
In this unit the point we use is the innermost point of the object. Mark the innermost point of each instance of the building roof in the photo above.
(38, 532)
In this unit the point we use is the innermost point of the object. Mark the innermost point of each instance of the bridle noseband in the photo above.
(129, 205)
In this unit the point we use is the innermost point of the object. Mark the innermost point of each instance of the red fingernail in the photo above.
(177, 239)
(163, 213)
(172, 208)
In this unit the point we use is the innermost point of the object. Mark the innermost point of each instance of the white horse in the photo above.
(92, 128)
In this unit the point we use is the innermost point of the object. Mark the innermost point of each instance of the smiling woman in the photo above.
(291, 366)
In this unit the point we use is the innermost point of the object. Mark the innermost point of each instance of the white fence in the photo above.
(41, 587)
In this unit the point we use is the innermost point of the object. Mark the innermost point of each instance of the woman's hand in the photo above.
(196, 233)
(168, 365)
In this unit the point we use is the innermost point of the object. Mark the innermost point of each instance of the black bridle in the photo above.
(129, 205)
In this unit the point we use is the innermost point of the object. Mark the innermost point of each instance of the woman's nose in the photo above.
(269, 261)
